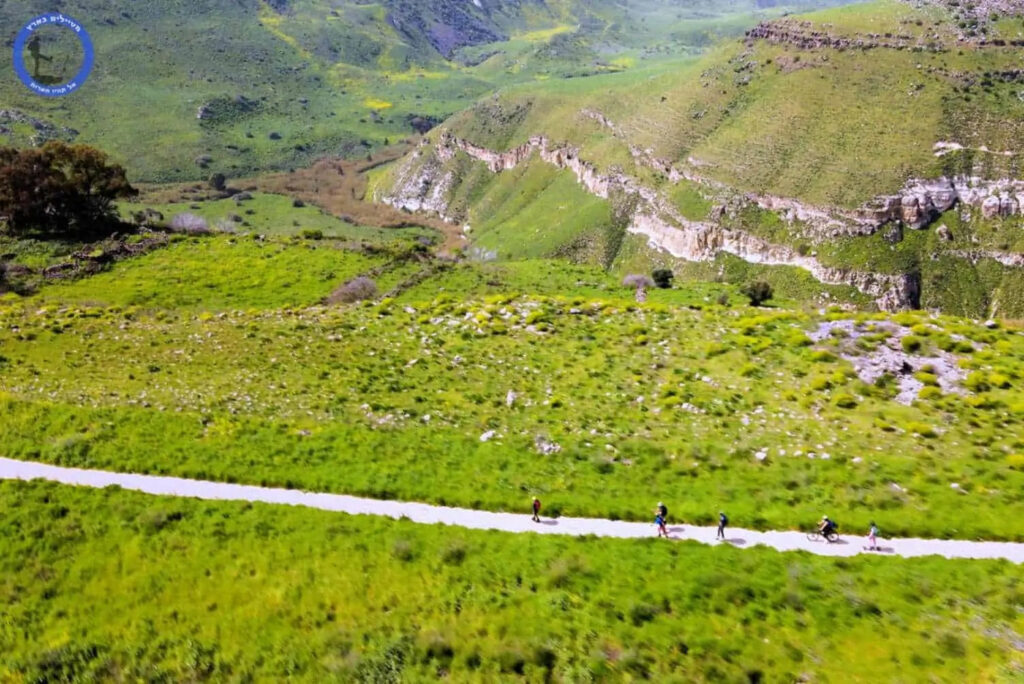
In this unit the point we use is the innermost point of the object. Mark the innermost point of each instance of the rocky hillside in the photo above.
(875, 148)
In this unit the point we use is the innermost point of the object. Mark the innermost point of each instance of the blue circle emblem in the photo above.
(58, 20)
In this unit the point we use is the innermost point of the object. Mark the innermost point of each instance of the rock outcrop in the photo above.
(423, 183)
(807, 36)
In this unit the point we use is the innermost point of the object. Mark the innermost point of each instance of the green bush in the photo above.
(846, 401)
(757, 292)
(977, 382)
(662, 277)
(911, 344)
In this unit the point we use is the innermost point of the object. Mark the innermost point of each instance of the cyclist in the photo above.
(826, 527)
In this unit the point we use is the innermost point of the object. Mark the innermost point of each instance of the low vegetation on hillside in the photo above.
(117, 585)
(452, 386)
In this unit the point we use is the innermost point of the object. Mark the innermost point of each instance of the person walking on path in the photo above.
(662, 510)
(722, 522)
(873, 537)
(536, 509)
(660, 522)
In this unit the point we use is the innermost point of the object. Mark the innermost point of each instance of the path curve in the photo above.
(506, 522)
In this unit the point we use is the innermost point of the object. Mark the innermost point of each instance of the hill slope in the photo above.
(181, 89)
(826, 142)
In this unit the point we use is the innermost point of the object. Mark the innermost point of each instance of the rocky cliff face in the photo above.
(422, 183)
(918, 204)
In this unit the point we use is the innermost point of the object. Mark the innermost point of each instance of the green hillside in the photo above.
(165, 360)
(481, 385)
(796, 136)
(242, 87)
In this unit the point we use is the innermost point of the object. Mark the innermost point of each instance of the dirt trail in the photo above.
(507, 522)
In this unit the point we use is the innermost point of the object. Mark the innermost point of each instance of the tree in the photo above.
(663, 278)
(757, 292)
(60, 189)
(218, 182)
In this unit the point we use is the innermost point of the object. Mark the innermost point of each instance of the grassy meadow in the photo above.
(109, 584)
(212, 359)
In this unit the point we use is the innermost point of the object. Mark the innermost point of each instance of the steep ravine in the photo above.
(423, 182)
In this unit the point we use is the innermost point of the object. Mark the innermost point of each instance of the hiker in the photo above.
(659, 520)
(662, 510)
(34, 47)
(536, 509)
(722, 522)
(873, 537)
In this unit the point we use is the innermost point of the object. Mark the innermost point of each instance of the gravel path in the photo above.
(506, 522)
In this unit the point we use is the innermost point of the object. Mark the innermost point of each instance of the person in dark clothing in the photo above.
(536, 509)
(662, 510)
(34, 47)
(722, 522)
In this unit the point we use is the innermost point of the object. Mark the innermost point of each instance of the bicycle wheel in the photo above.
(813, 536)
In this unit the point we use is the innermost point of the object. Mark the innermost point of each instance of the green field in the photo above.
(204, 359)
(102, 585)
(270, 214)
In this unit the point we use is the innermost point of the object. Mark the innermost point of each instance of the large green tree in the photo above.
(60, 189)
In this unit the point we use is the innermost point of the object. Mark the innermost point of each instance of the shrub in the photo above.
(757, 292)
(642, 612)
(190, 224)
(929, 392)
(663, 278)
(356, 290)
(454, 553)
(819, 383)
(298, 204)
(845, 401)
(313, 234)
(402, 550)
(218, 181)
(911, 344)
(922, 429)
(977, 382)
(999, 380)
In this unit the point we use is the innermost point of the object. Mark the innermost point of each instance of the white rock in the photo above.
(487, 436)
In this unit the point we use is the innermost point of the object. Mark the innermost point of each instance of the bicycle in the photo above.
(816, 535)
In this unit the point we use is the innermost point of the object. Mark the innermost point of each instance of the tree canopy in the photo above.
(59, 189)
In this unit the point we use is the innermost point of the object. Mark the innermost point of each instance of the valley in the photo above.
(307, 305)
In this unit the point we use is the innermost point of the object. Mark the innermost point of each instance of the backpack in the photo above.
(724, 519)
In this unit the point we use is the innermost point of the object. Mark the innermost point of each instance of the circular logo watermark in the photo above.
(53, 55)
